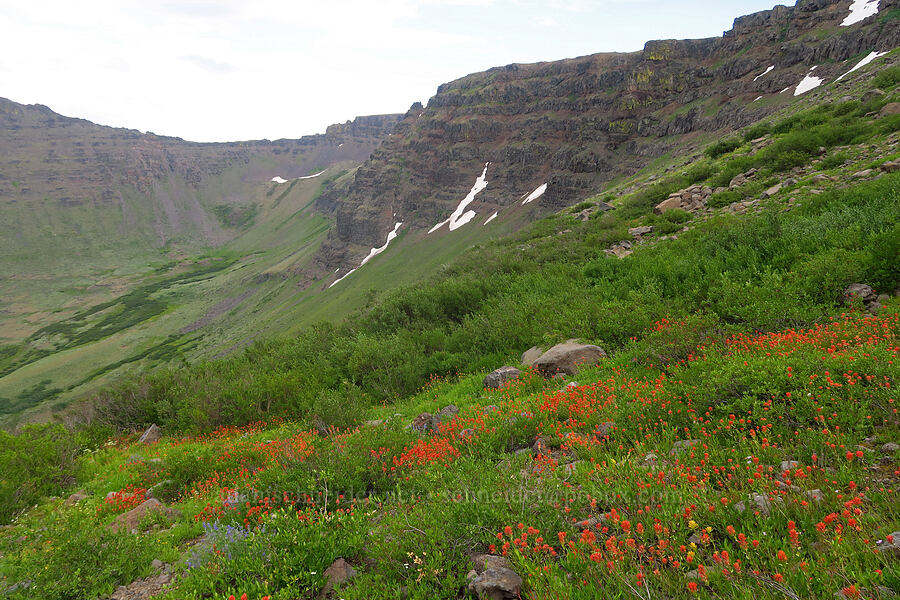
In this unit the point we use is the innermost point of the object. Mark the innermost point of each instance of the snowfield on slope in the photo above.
(860, 10)
(372, 253)
(535, 194)
(278, 179)
(766, 72)
(810, 82)
(460, 216)
(872, 56)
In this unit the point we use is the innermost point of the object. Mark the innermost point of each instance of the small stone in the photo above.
(339, 573)
(466, 434)
(604, 429)
(76, 498)
(789, 465)
(637, 232)
(816, 496)
(890, 447)
(483, 562)
(772, 191)
(497, 584)
(151, 435)
(444, 415)
(682, 445)
(541, 446)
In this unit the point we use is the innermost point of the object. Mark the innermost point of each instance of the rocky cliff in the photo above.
(143, 185)
(577, 124)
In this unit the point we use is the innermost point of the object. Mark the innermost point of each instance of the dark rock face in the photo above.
(576, 124)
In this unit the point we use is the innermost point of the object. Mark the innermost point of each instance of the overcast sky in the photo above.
(217, 70)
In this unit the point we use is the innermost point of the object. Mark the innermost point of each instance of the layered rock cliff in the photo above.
(576, 124)
(144, 186)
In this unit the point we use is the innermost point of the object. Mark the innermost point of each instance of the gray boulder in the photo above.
(567, 358)
(497, 379)
(531, 355)
(152, 434)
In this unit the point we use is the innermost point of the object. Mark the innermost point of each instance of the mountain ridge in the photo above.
(577, 124)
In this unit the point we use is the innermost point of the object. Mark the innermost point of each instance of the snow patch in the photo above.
(372, 254)
(339, 145)
(461, 216)
(535, 194)
(757, 98)
(766, 72)
(860, 10)
(491, 218)
(278, 179)
(873, 56)
(784, 90)
(808, 83)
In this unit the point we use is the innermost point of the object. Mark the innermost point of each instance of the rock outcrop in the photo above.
(131, 521)
(576, 124)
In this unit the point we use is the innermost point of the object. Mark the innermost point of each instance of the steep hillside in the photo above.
(559, 132)
(730, 430)
(245, 259)
(118, 244)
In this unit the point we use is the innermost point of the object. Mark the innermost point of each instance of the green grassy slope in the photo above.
(736, 443)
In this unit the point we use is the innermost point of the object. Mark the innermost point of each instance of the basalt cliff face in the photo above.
(577, 124)
(77, 176)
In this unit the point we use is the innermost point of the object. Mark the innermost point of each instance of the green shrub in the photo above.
(886, 79)
(38, 461)
(723, 147)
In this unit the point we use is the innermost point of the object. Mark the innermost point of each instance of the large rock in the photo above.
(667, 205)
(131, 520)
(153, 434)
(422, 422)
(339, 573)
(497, 379)
(567, 358)
(444, 415)
(864, 293)
(637, 232)
(891, 108)
(531, 355)
(493, 579)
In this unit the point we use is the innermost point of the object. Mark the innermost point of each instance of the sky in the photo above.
(227, 70)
